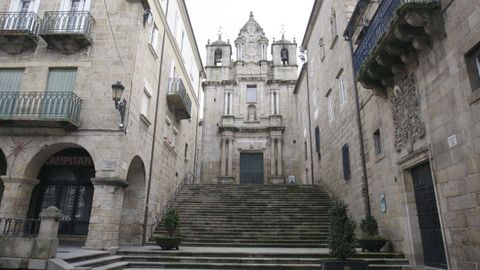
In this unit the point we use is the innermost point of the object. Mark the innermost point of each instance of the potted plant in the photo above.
(342, 240)
(171, 222)
(369, 239)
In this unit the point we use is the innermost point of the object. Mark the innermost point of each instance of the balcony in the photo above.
(67, 31)
(18, 31)
(40, 109)
(178, 100)
(390, 42)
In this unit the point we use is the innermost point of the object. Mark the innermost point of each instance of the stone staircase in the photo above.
(243, 227)
(253, 216)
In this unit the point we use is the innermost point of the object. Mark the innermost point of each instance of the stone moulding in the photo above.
(408, 30)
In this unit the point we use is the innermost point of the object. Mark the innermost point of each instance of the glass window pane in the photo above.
(251, 93)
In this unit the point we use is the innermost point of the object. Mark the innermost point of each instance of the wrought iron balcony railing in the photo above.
(68, 22)
(379, 25)
(40, 106)
(178, 98)
(24, 22)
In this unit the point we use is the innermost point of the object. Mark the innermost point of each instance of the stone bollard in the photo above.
(46, 243)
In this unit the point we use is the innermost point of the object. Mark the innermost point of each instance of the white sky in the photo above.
(208, 15)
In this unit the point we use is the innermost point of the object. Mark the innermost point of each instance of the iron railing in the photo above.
(27, 22)
(188, 179)
(176, 87)
(40, 105)
(71, 22)
(378, 26)
(17, 227)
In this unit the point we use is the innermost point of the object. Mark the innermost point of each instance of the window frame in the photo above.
(251, 87)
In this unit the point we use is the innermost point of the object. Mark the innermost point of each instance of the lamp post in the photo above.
(117, 90)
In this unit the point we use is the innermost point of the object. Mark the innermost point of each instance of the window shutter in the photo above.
(10, 80)
(346, 162)
(61, 80)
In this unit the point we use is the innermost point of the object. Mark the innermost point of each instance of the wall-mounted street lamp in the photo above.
(117, 90)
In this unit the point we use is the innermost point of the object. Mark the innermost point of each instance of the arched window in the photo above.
(284, 56)
(218, 57)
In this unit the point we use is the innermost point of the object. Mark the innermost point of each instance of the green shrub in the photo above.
(171, 221)
(342, 232)
(369, 227)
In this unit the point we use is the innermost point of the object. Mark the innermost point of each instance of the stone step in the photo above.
(98, 261)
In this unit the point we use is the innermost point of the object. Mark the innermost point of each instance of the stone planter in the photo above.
(342, 265)
(167, 243)
(373, 245)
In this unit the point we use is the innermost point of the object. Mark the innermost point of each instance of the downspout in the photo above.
(310, 124)
(155, 125)
(196, 130)
(365, 192)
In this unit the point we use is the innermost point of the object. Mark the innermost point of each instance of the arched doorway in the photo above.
(131, 224)
(65, 183)
(3, 171)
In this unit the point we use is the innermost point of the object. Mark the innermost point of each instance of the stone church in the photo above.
(248, 133)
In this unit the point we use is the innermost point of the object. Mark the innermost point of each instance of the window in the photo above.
(377, 142)
(251, 93)
(305, 150)
(154, 37)
(61, 79)
(322, 49)
(182, 41)
(145, 102)
(218, 57)
(11, 79)
(346, 162)
(333, 25)
(186, 150)
(284, 56)
(473, 68)
(342, 90)
(330, 105)
(275, 103)
(317, 141)
(228, 102)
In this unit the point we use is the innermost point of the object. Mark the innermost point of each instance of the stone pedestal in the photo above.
(276, 180)
(226, 180)
(106, 213)
(16, 197)
(47, 240)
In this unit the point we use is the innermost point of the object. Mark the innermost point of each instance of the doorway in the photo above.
(428, 218)
(251, 168)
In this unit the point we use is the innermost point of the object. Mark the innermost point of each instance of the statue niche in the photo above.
(252, 113)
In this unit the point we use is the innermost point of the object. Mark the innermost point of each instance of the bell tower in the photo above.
(284, 58)
(219, 58)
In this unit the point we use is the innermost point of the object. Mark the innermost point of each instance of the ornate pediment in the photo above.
(252, 41)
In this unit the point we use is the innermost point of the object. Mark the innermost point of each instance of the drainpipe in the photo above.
(365, 192)
(155, 125)
(309, 124)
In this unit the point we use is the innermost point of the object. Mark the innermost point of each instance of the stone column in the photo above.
(225, 107)
(230, 157)
(279, 157)
(272, 157)
(230, 102)
(277, 103)
(273, 103)
(106, 213)
(16, 197)
(223, 157)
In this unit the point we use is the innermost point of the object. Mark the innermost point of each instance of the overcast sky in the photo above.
(208, 15)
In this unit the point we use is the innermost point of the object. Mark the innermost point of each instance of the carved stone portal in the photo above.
(406, 114)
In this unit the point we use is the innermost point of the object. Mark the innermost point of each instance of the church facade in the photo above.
(248, 132)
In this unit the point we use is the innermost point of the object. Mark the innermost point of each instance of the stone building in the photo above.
(110, 166)
(248, 129)
(416, 71)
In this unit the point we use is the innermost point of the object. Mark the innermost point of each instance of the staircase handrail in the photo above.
(188, 179)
